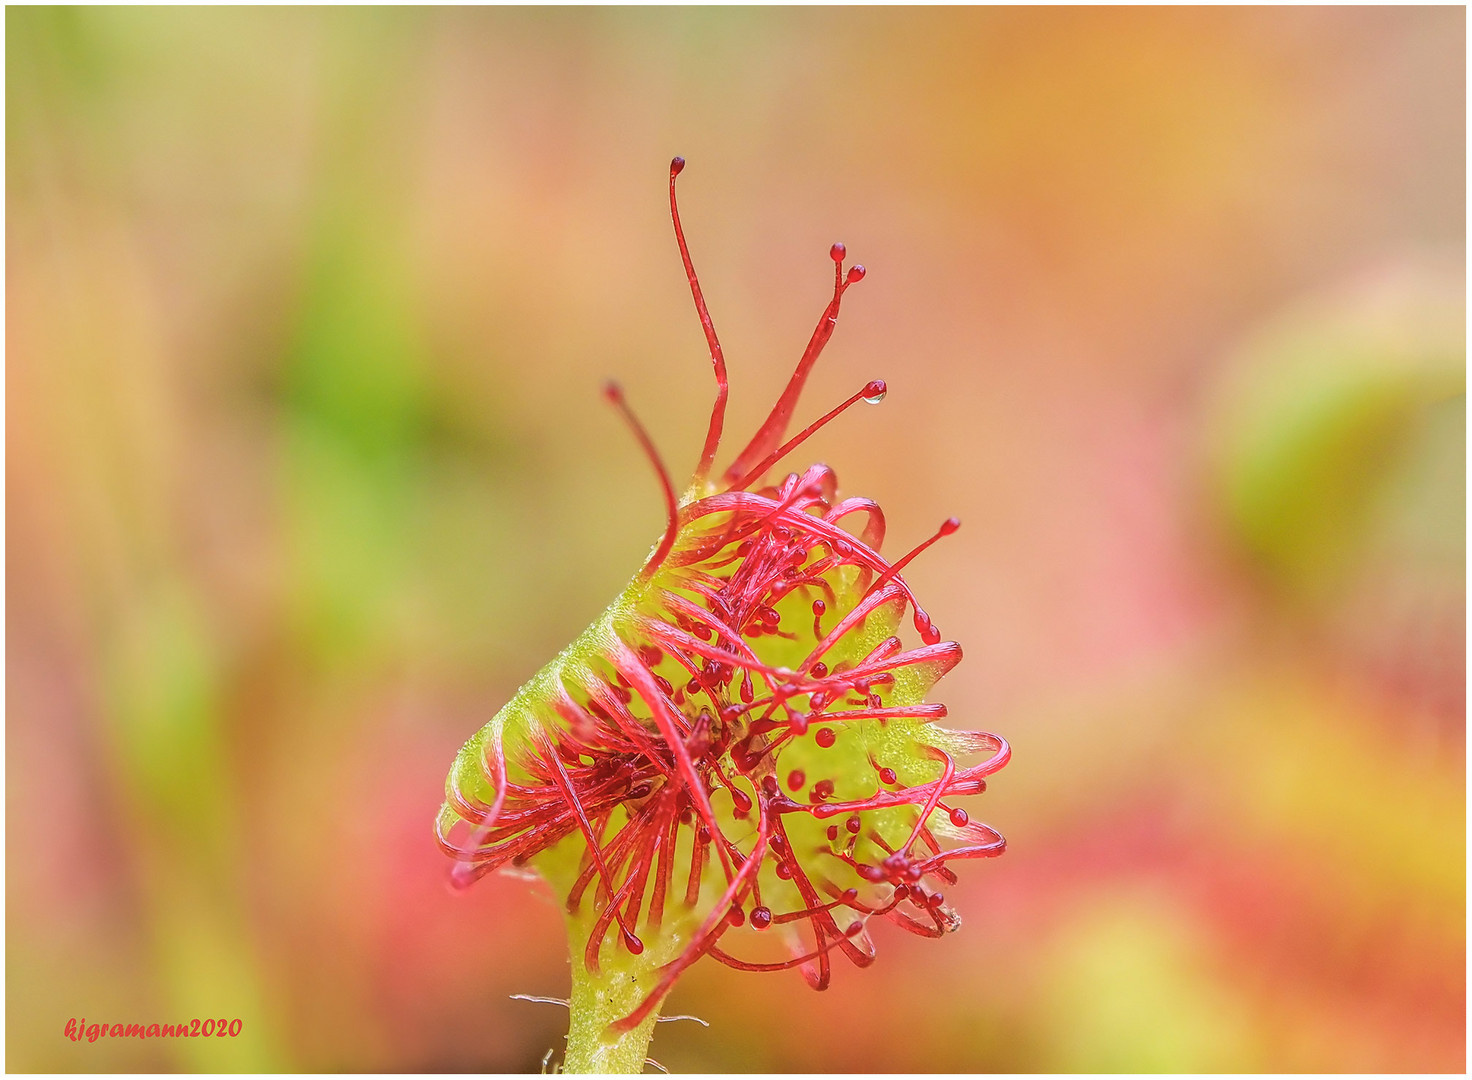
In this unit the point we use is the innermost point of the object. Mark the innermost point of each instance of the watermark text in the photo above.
(77, 1030)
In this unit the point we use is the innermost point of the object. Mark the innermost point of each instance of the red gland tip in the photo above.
(875, 391)
(856, 272)
(676, 165)
(613, 392)
(837, 251)
(949, 526)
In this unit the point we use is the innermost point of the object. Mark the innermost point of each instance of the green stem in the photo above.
(623, 980)
(620, 986)
(598, 1001)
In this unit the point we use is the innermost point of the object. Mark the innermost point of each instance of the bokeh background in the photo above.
(307, 470)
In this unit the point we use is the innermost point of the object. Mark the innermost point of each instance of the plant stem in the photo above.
(597, 1001)
(621, 983)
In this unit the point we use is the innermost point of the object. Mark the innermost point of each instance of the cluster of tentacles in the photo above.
(742, 739)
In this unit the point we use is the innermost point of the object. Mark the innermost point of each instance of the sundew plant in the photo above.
(737, 759)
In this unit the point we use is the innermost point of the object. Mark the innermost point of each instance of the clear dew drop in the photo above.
(875, 391)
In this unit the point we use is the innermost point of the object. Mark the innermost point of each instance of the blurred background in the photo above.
(307, 471)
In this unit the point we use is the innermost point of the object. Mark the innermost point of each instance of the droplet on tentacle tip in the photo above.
(875, 391)
(462, 876)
